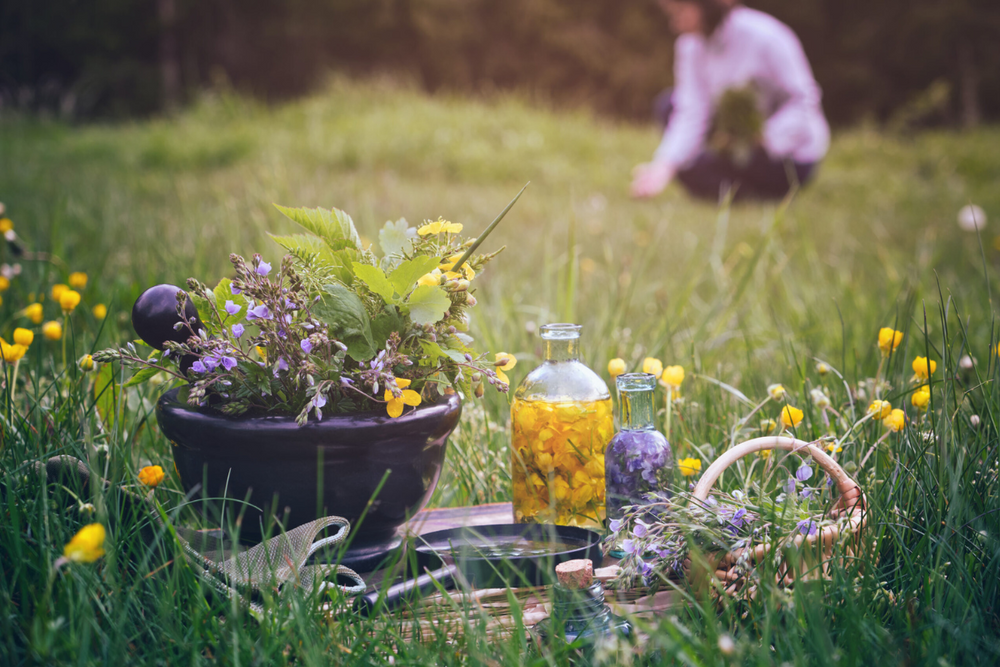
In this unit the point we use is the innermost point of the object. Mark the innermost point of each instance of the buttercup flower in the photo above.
(833, 448)
(86, 363)
(68, 300)
(4, 283)
(879, 409)
(689, 466)
(432, 278)
(34, 313)
(58, 289)
(24, 337)
(921, 398)
(151, 476)
(100, 311)
(672, 377)
(616, 367)
(776, 392)
(767, 427)
(791, 417)
(889, 339)
(78, 280)
(394, 406)
(895, 421)
(509, 361)
(11, 353)
(439, 226)
(87, 545)
(653, 366)
(924, 368)
(6, 225)
(52, 330)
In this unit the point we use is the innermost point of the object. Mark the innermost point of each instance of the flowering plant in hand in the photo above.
(335, 327)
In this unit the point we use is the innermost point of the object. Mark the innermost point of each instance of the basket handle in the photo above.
(849, 489)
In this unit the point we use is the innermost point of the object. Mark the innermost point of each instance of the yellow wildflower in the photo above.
(4, 284)
(100, 311)
(889, 339)
(791, 417)
(52, 330)
(508, 362)
(34, 313)
(151, 476)
(86, 363)
(432, 278)
(6, 224)
(78, 280)
(776, 391)
(11, 353)
(394, 406)
(833, 448)
(672, 377)
(439, 226)
(767, 427)
(921, 398)
(449, 263)
(262, 352)
(689, 466)
(24, 337)
(653, 366)
(895, 421)
(616, 367)
(822, 367)
(87, 545)
(879, 409)
(68, 300)
(57, 290)
(924, 368)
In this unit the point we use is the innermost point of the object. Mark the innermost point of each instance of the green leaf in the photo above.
(141, 376)
(388, 321)
(223, 293)
(410, 271)
(428, 304)
(344, 312)
(375, 279)
(106, 396)
(206, 313)
(396, 238)
(304, 245)
(333, 226)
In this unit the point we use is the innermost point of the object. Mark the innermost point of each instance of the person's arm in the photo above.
(794, 124)
(685, 133)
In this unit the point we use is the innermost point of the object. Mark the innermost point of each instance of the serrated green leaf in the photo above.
(141, 376)
(396, 238)
(344, 312)
(303, 244)
(375, 279)
(428, 304)
(333, 226)
(409, 272)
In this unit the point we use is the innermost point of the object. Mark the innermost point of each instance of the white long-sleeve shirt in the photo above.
(749, 47)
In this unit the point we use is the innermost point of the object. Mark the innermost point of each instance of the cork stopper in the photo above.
(576, 574)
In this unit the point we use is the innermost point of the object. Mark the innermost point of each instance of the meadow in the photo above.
(746, 296)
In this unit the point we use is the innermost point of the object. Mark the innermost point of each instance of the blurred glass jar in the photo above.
(638, 459)
(561, 423)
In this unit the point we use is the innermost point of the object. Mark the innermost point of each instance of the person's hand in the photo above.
(650, 179)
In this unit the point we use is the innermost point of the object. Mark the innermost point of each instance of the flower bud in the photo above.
(480, 390)
(86, 363)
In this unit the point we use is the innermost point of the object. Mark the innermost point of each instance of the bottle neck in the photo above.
(637, 410)
(562, 349)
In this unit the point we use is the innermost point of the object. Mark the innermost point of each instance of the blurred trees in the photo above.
(905, 61)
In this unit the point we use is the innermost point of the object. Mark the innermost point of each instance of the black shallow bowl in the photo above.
(298, 474)
(485, 556)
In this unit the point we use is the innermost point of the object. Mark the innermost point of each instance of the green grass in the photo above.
(748, 296)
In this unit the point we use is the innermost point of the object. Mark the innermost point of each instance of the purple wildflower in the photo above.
(662, 551)
(319, 400)
(210, 362)
(647, 569)
(306, 345)
(232, 308)
(640, 530)
(282, 364)
(805, 493)
(238, 330)
(229, 363)
(259, 312)
(790, 486)
(263, 268)
(615, 525)
(199, 367)
(234, 289)
(807, 527)
(628, 546)
(803, 473)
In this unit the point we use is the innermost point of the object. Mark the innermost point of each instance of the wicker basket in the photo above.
(813, 553)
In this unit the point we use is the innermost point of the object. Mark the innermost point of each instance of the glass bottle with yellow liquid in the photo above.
(561, 423)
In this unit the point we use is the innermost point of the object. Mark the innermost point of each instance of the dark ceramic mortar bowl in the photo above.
(298, 474)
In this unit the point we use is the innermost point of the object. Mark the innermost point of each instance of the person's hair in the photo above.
(713, 13)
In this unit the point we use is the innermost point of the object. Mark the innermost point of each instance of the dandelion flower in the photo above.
(394, 405)
(52, 330)
(889, 339)
(100, 311)
(87, 545)
(34, 313)
(652, 366)
(776, 392)
(879, 409)
(24, 337)
(924, 368)
(78, 280)
(68, 300)
(616, 367)
(689, 466)
(895, 421)
(672, 377)
(790, 416)
(504, 362)
(921, 398)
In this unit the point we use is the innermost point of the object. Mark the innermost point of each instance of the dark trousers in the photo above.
(712, 175)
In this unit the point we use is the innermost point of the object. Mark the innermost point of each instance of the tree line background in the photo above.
(905, 62)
